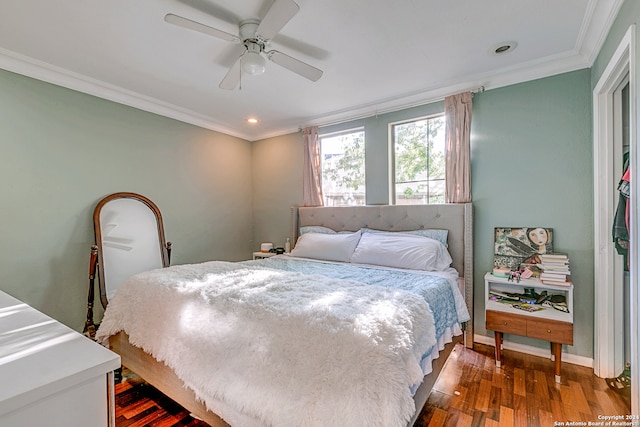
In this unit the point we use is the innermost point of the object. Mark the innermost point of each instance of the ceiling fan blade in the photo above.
(232, 78)
(208, 8)
(295, 65)
(277, 17)
(196, 26)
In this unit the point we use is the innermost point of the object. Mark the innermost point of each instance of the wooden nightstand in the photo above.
(261, 255)
(549, 324)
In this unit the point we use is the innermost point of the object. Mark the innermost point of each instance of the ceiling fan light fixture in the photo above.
(253, 63)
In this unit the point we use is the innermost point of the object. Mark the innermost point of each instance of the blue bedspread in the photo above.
(436, 290)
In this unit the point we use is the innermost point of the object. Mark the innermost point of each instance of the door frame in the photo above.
(607, 162)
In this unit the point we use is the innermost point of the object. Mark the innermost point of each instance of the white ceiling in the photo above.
(377, 55)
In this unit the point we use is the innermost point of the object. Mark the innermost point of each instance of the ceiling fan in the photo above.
(255, 34)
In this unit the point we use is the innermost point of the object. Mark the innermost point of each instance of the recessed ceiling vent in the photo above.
(502, 48)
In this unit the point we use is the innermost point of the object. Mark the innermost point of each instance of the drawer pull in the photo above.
(505, 323)
(548, 331)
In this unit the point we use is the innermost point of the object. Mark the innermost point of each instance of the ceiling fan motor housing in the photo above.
(248, 29)
(251, 61)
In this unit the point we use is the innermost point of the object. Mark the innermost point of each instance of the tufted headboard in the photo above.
(457, 218)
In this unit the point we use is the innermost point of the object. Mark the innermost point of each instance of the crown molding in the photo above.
(596, 24)
(39, 70)
(532, 70)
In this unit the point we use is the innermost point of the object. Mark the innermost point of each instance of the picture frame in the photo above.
(520, 247)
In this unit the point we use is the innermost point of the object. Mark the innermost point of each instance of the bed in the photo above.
(455, 219)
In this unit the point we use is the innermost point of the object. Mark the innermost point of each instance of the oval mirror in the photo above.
(130, 239)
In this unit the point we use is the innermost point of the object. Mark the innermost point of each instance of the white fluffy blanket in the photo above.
(285, 348)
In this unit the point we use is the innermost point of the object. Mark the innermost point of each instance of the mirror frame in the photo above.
(165, 247)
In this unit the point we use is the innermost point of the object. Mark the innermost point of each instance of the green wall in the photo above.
(221, 196)
(532, 166)
(277, 185)
(62, 151)
(531, 155)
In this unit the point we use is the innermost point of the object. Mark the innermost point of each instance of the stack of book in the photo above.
(555, 269)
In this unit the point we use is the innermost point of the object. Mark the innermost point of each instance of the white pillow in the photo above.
(433, 233)
(329, 247)
(316, 229)
(402, 251)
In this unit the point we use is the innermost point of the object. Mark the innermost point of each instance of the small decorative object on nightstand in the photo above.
(261, 255)
(532, 309)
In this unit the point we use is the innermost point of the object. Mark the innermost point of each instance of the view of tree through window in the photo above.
(343, 168)
(419, 161)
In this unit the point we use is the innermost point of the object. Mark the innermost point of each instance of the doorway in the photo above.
(613, 99)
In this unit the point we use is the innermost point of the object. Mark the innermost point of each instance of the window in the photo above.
(342, 157)
(419, 161)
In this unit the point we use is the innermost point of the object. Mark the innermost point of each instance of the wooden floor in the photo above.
(473, 392)
(138, 404)
(469, 392)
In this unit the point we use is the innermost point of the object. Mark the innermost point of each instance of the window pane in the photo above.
(343, 169)
(419, 161)
(420, 192)
(436, 191)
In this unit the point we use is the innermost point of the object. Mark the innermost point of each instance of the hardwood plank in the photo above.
(482, 398)
(578, 397)
(493, 409)
(605, 405)
(491, 423)
(459, 399)
(546, 418)
(466, 420)
(448, 383)
(520, 410)
(557, 409)
(541, 387)
(519, 387)
(506, 417)
(438, 419)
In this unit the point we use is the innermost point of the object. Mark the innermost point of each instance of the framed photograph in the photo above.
(521, 245)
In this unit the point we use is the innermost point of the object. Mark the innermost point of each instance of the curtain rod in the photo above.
(479, 89)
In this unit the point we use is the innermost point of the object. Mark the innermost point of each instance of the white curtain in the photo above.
(458, 148)
(312, 172)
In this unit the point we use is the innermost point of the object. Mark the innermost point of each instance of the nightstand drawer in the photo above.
(550, 330)
(505, 322)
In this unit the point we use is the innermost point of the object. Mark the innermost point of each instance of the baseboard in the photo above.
(535, 351)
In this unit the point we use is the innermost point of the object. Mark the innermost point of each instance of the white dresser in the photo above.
(51, 375)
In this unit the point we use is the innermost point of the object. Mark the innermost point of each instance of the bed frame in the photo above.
(457, 218)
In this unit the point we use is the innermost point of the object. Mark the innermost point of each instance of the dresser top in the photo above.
(40, 356)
